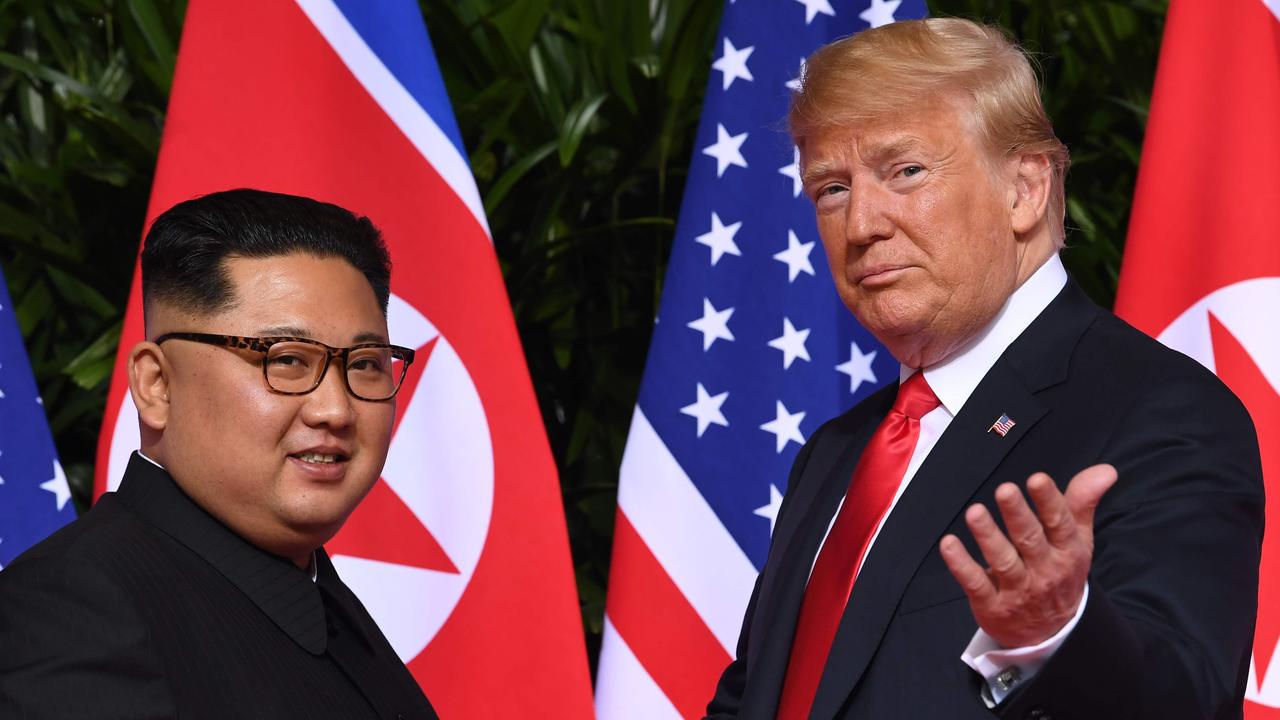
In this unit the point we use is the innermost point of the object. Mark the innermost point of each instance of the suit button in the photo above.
(1038, 714)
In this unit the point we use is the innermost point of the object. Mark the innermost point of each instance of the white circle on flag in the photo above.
(1247, 309)
(440, 464)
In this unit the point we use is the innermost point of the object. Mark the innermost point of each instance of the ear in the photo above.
(1029, 201)
(149, 377)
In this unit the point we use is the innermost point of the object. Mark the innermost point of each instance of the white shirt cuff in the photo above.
(1005, 669)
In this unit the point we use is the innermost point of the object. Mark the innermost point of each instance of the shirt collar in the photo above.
(954, 379)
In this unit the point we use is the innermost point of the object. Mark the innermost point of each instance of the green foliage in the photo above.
(82, 91)
(579, 115)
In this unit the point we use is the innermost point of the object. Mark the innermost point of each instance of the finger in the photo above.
(1085, 491)
(1051, 507)
(1000, 554)
(1024, 527)
(972, 578)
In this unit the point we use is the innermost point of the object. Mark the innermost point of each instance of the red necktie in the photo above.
(875, 481)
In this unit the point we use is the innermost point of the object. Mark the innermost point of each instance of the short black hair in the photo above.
(183, 253)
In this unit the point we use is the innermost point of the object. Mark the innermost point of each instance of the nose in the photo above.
(330, 405)
(866, 216)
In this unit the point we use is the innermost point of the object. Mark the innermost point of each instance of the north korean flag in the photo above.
(1202, 263)
(460, 552)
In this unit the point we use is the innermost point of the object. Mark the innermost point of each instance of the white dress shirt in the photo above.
(953, 381)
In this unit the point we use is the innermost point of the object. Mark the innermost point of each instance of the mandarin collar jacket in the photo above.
(148, 607)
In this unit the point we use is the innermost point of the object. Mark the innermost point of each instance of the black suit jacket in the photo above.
(1167, 630)
(147, 607)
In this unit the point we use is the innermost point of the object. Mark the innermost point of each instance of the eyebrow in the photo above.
(294, 331)
(875, 154)
(815, 170)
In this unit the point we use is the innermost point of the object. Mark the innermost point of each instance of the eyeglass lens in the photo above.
(372, 373)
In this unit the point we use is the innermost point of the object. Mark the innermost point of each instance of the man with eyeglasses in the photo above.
(266, 398)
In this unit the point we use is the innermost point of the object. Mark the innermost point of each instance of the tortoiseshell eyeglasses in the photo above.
(296, 366)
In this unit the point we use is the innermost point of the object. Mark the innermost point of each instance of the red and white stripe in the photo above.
(679, 585)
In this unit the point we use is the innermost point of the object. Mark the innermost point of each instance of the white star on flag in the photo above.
(791, 343)
(880, 12)
(793, 171)
(813, 7)
(707, 409)
(58, 485)
(770, 511)
(714, 324)
(734, 63)
(720, 239)
(794, 83)
(727, 150)
(785, 427)
(796, 256)
(858, 367)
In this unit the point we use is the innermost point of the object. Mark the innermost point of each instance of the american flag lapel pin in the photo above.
(1003, 425)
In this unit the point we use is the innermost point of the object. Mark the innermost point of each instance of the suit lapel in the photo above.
(958, 466)
(817, 494)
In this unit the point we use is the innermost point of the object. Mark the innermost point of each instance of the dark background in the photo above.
(579, 116)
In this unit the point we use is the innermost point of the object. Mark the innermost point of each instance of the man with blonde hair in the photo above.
(1126, 586)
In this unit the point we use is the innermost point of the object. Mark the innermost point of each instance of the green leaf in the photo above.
(59, 80)
(154, 32)
(513, 174)
(93, 365)
(575, 126)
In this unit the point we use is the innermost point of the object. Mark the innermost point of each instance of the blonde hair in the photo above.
(880, 73)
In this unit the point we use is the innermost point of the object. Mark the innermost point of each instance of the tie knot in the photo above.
(915, 397)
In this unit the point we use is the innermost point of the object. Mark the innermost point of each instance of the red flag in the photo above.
(1202, 263)
(460, 552)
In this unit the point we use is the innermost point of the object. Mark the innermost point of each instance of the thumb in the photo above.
(1085, 491)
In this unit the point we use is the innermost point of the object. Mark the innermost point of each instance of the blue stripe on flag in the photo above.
(396, 33)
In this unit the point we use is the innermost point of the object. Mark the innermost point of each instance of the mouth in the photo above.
(324, 464)
(876, 276)
(321, 458)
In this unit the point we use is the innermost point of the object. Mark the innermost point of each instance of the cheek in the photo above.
(375, 422)
(246, 413)
(836, 249)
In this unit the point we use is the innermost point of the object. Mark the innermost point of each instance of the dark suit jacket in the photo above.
(147, 607)
(1167, 630)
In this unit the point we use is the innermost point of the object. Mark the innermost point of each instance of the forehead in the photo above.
(324, 298)
(938, 127)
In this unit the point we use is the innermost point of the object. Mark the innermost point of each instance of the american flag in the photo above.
(1003, 425)
(34, 497)
(752, 350)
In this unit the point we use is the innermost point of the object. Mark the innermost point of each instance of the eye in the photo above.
(369, 361)
(827, 191)
(366, 364)
(911, 170)
(286, 360)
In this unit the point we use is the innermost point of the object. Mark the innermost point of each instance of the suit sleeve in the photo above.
(73, 646)
(727, 701)
(1167, 631)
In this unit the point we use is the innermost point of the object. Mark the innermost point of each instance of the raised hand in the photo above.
(1036, 575)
